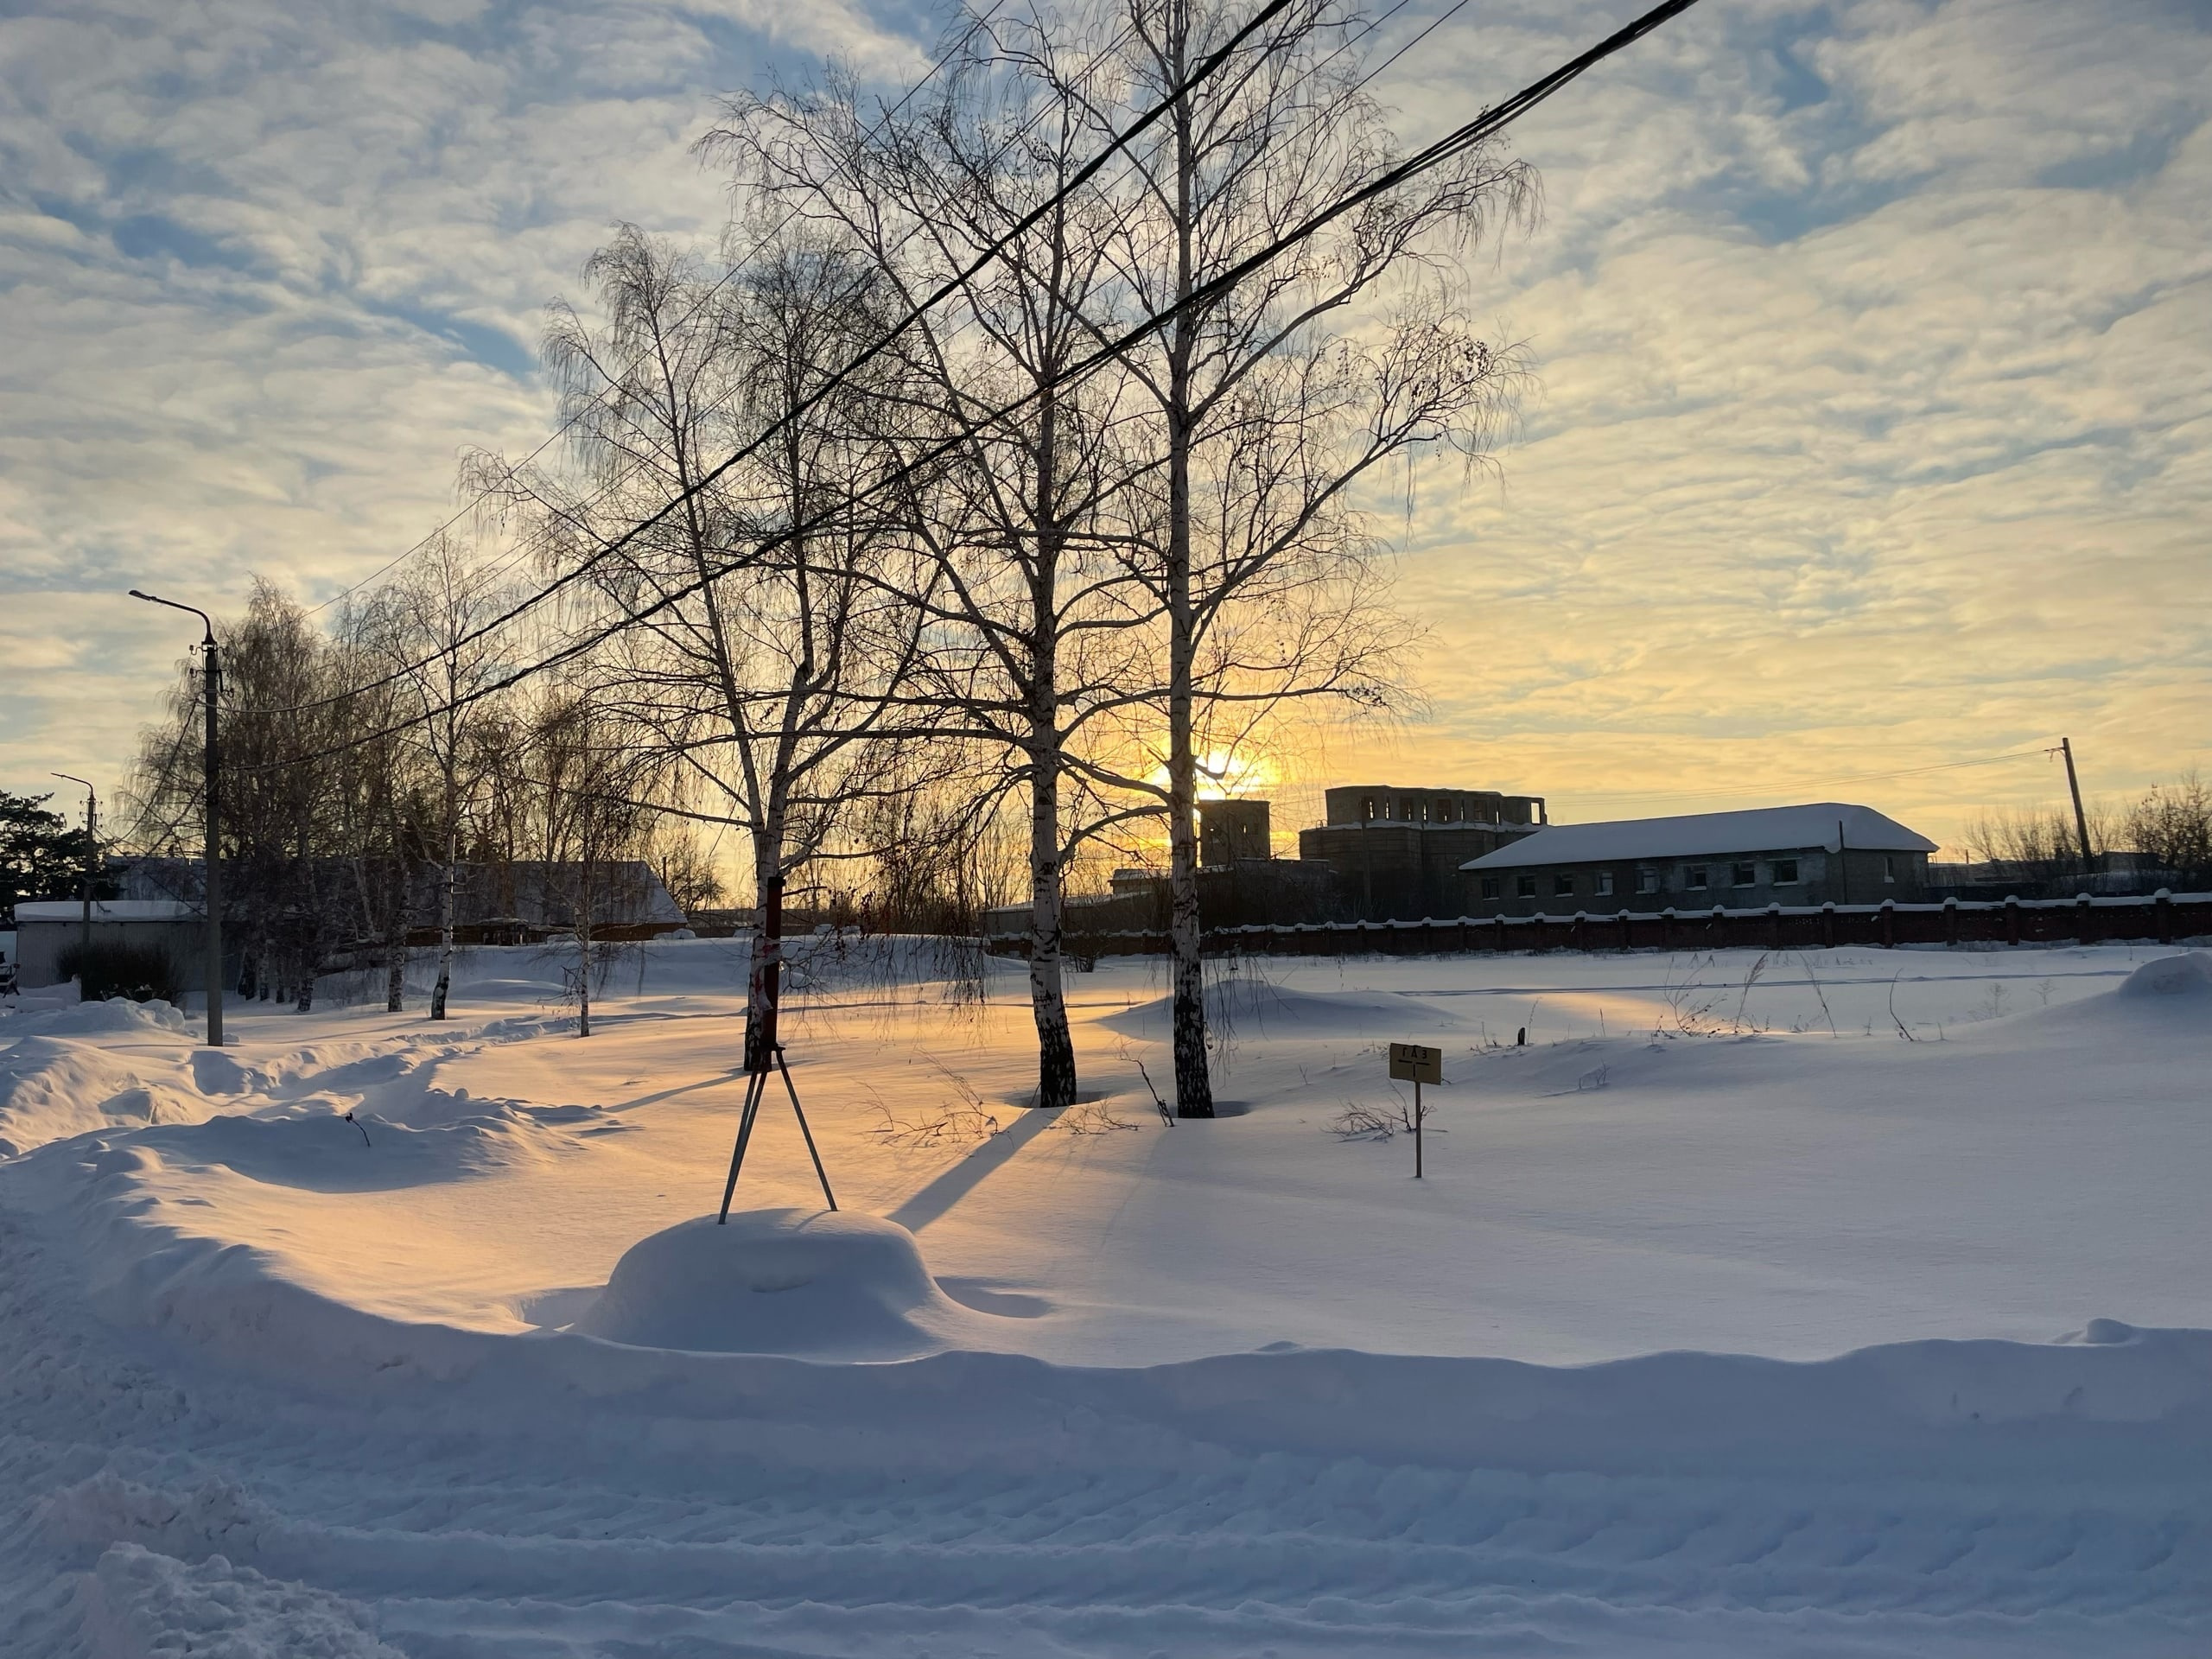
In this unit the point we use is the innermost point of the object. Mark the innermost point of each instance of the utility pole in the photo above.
(211, 819)
(2073, 786)
(92, 853)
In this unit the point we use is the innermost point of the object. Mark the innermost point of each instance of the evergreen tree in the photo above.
(40, 856)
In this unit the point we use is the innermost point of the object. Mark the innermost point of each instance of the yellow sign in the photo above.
(1411, 1062)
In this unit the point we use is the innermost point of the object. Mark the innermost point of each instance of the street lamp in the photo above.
(213, 825)
(93, 851)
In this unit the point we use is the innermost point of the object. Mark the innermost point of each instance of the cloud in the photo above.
(1876, 391)
(269, 269)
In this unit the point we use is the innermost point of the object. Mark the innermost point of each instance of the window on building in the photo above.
(1889, 868)
(1367, 806)
(1743, 874)
(1604, 884)
(1694, 878)
(1524, 886)
(1443, 813)
(1647, 880)
(1490, 886)
(1562, 886)
(1785, 872)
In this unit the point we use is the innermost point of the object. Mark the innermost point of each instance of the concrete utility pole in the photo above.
(92, 856)
(2073, 786)
(212, 807)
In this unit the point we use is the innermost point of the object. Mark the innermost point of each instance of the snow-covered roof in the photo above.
(104, 910)
(1709, 835)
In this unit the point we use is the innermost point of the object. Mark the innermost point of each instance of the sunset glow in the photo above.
(1867, 434)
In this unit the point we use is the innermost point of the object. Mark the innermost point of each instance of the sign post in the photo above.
(1411, 1062)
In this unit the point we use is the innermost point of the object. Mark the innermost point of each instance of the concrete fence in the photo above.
(2163, 918)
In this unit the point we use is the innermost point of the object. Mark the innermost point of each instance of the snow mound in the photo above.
(52, 1088)
(813, 1283)
(115, 1016)
(2188, 975)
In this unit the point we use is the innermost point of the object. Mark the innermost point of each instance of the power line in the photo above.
(1461, 139)
(950, 286)
(1370, 26)
(513, 473)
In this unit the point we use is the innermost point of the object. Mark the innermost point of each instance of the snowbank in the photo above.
(657, 1363)
(819, 1284)
(52, 1088)
(116, 1015)
(2184, 978)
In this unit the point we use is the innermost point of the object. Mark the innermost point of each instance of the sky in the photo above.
(1871, 431)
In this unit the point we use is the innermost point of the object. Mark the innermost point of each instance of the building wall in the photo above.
(38, 946)
(1400, 871)
(1822, 877)
(1232, 830)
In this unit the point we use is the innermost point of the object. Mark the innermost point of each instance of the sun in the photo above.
(1228, 774)
(1224, 775)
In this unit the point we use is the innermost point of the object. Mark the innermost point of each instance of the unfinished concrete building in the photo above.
(1397, 849)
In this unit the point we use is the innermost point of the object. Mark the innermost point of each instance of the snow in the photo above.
(1848, 1302)
(1709, 835)
(104, 910)
(2189, 976)
(815, 1283)
(142, 1606)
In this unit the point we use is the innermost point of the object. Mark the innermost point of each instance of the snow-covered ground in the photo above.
(1842, 1302)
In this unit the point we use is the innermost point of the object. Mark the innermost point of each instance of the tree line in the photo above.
(2168, 827)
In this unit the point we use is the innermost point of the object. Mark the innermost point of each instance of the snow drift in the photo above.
(116, 1015)
(52, 1088)
(2184, 978)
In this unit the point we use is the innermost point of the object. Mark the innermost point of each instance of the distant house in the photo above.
(1827, 852)
(1397, 849)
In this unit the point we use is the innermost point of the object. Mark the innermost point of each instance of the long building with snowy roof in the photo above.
(1826, 852)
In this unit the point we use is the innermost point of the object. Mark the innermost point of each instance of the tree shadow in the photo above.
(948, 1189)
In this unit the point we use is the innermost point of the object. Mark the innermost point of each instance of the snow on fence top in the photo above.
(1762, 829)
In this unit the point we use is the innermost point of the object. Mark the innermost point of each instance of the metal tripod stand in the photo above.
(756, 1089)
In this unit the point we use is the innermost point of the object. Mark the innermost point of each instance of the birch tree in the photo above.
(1247, 365)
(589, 778)
(769, 634)
(1031, 620)
(429, 631)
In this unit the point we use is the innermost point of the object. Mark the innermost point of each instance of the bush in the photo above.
(142, 973)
